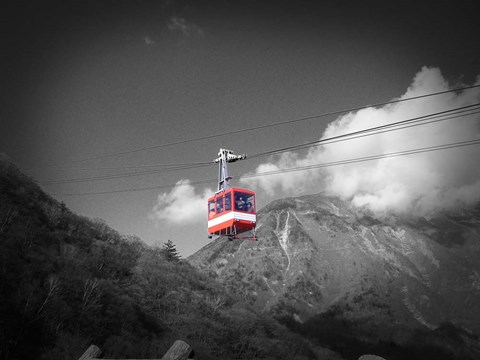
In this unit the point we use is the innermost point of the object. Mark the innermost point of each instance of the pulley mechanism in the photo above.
(225, 156)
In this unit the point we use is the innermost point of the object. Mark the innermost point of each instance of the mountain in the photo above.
(354, 282)
(67, 281)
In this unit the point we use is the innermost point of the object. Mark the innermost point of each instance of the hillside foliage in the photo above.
(67, 281)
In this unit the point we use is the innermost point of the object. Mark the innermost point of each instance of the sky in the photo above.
(98, 98)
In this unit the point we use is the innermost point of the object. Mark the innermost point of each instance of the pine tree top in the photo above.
(171, 251)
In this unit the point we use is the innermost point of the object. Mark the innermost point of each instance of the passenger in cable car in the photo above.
(250, 207)
(228, 202)
(219, 205)
(211, 209)
(240, 204)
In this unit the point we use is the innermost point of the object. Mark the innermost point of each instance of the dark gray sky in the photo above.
(84, 79)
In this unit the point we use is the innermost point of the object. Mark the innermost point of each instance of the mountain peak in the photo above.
(317, 253)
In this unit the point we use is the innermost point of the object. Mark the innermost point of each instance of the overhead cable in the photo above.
(376, 130)
(123, 175)
(416, 121)
(301, 168)
(260, 127)
(369, 158)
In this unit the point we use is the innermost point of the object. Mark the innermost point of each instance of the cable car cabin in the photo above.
(231, 212)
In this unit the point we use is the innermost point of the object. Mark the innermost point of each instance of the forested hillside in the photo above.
(67, 281)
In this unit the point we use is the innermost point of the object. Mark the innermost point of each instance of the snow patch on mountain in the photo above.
(283, 235)
(413, 309)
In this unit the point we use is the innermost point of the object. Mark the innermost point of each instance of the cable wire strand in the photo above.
(260, 127)
(356, 134)
(399, 125)
(301, 168)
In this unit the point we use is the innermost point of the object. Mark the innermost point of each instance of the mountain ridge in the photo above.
(396, 275)
(67, 281)
(336, 277)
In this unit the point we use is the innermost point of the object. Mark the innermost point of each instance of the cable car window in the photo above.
(250, 206)
(211, 207)
(239, 202)
(244, 202)
(228, 202)
(219, 204)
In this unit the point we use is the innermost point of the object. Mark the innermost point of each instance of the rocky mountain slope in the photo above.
(390, 278)
(67, 281)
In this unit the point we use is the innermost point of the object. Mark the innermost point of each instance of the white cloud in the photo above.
(416, 184)
(186, 28)
(148, 41)
(182, 205)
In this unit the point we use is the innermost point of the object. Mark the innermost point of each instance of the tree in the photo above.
(170, 251)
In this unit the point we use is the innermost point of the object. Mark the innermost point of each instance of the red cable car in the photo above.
(231, 211)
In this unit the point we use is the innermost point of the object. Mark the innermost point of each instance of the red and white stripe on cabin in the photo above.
(241, 220)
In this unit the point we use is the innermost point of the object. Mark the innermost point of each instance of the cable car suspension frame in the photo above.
(232, 211)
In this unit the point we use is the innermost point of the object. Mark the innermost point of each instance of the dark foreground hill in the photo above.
(67, 281)
(397, 287)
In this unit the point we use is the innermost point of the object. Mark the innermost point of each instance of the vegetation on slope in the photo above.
(357, 284)
(351, 337)
(67, 281)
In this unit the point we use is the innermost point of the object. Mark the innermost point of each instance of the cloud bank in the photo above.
(417, 184)
(186, 28)
(182, 205)
(148, 41)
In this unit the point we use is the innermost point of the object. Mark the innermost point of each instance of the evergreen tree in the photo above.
(170, 251)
